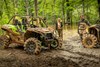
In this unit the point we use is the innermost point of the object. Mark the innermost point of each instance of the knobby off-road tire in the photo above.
(32, 46)
(54, 44)
(82, 28)
(4, 41)
(57, 43)
(89, 41)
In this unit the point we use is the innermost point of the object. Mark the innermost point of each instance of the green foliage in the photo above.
(51, 9)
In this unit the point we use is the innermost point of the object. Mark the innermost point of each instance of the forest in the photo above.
(68, 10)
(50, 33)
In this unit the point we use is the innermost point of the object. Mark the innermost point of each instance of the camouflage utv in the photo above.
(38, 38)
(33, 39)
(92, 38)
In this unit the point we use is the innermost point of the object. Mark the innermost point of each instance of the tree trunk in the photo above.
(7, 7)
(44, 8)
(27, 7)
(36, 8)
(99, 8)
(87, 14)
(53, 6)
(63, 10)
(83, 10)
(15, 6)
(53, 11)
(68, 13)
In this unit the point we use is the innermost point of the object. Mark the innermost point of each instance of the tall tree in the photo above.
(63, 9)
(83, 9)
(15, 6)
(53, 11)
(44, 3)
(68, 12)
(7, 7)
(36, 7)
(27, 7)
(99, 8)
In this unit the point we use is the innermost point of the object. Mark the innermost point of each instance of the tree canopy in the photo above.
(68, 10)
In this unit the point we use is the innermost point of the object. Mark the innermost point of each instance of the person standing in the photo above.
(82, 26)
(59, 27)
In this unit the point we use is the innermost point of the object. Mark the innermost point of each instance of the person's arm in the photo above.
(98, 21)
(88, 23)
(61, 24)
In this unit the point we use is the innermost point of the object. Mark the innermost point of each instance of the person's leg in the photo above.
(58, 32)
(61, 33)
(60, 38)
(81, 37)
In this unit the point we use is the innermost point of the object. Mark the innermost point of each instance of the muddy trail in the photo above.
(73, 50)
(72, 54)
(18, 58)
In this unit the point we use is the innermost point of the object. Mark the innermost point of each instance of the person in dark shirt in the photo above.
(98, 21)
(82, 26)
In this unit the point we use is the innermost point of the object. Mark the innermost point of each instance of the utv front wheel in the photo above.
(32, 46)
(54, 44)
(89, 41)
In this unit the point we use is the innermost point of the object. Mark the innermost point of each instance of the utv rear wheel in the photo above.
(4, 41)
(89, 41)
(32, 46)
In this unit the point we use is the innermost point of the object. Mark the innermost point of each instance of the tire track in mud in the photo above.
(80, 58)
(72, 49)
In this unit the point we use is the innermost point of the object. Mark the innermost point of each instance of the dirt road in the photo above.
(72, 54)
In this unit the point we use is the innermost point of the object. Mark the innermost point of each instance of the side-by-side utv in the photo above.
(92, 38)
(32, 39)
